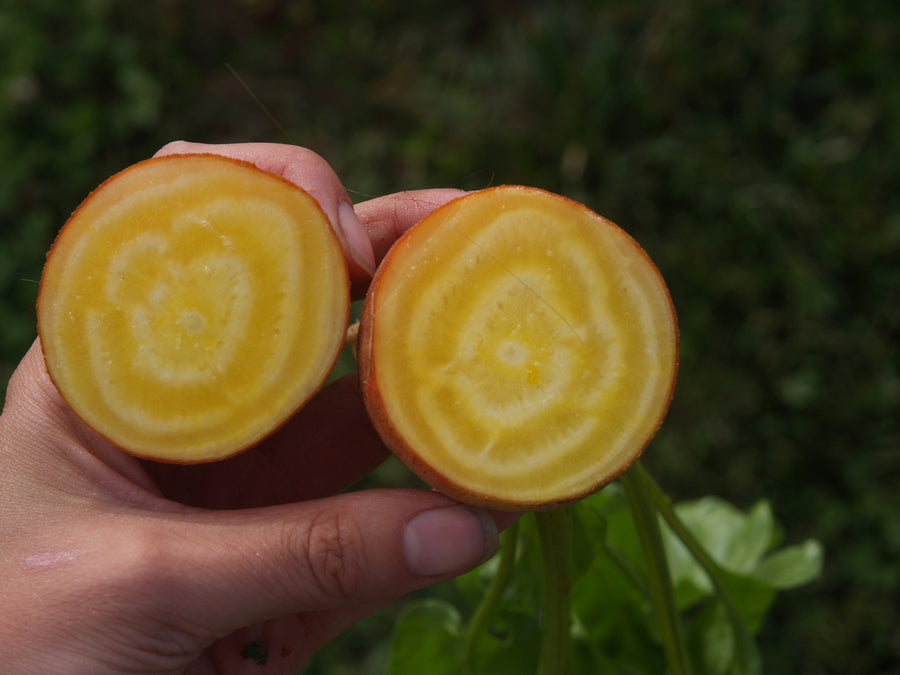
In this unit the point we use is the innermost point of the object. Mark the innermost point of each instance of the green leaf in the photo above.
(713, 641)
(427, 638)
(791, 566)
(603, 521)
(526, 584)
(512, 646)
(614, 617)
(735, 540)
(751, 598)
(472, 585)
(753, 540)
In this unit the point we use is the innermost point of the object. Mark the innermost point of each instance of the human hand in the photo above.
(116, 565)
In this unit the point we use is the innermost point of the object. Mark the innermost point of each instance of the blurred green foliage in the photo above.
(613, 630)
(752, 149)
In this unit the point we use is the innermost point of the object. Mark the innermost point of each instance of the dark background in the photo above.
(751, 148)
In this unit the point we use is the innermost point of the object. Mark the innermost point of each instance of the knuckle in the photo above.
(332, 546)
(143, 560)
(175, 147)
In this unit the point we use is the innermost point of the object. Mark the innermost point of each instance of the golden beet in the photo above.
(517, 350)
(191, 305)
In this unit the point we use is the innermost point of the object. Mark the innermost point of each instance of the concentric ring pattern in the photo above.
(524, 348)
(187, 311)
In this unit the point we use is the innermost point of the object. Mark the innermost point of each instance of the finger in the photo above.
(331, 557)
(321, 627)
(328, 446)
(311, 172)
(387, 218)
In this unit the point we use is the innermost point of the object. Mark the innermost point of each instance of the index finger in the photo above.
(307, 170)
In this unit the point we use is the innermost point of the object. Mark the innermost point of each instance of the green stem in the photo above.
(480, 620)
(635, 481)
(745, 651)
(555, 534)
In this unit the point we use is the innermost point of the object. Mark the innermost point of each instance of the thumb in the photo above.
(327, 557)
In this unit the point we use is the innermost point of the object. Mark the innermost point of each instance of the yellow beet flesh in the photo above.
(517, 350)
(191, 305)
